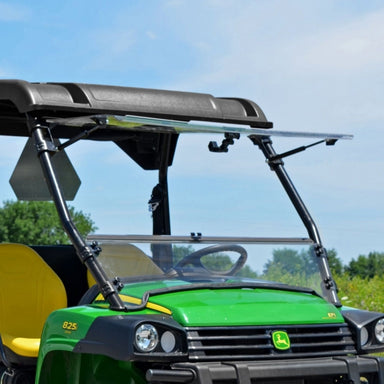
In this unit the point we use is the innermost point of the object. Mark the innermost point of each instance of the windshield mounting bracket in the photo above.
(227, 141)
(196, 236)
(48, 144)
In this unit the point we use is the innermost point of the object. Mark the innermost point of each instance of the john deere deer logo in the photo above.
(281, 340)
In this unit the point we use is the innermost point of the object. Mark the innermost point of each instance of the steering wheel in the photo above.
(195, 258)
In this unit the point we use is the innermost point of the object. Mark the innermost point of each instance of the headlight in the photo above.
(364, 336)
(379, 331)
(168, 341)
(146, 338)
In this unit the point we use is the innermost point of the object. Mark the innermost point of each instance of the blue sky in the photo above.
(311, 65)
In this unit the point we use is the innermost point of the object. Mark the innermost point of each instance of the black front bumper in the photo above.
(277, 371)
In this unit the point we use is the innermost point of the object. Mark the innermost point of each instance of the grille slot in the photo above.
(249, 343)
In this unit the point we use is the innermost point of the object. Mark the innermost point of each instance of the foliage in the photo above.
(366, 266)
(361, 283)
(303, 263)
(181, 251)
(290, 261)
(335, 264)
(217, 262)
(247, 271)
(362, 293)
(37, 223)
(292, 267)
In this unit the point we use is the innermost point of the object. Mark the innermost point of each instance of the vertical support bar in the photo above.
(277, 165)
(45, 147)
(162, 253)
(161, 216)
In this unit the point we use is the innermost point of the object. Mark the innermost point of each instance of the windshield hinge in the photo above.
(329, 285)
(46, 142)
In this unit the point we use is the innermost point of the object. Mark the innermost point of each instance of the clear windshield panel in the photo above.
(217, 262)
(225, 194)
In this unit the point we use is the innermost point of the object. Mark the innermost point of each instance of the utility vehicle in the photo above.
(233, 306)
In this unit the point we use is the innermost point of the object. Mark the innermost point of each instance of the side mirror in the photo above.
(27, 180)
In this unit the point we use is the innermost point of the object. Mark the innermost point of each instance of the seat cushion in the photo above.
(29, 292)
(23, 346)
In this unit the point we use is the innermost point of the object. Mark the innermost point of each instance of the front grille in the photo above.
(250, 343)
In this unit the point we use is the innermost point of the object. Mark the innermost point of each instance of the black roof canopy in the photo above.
(18, 97)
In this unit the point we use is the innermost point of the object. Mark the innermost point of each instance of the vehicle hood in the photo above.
(228, 306)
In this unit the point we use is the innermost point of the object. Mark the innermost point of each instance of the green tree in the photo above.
(181, 251)
(299, 268)
(302, 262)
(366, 266)
(291, 261)
(37, 223)
(335, 264)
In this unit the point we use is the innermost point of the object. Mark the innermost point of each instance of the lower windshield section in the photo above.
(175, 262)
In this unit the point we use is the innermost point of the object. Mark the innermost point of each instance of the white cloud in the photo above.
(13, 12)
(151, 35)
(118, 41)
(357, 46)
(279, 45)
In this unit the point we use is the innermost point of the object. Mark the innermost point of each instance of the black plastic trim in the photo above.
(113, 336)
(358, 319)
(273, 371)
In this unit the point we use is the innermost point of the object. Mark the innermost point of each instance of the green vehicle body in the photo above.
(182, 321)
(202, 308)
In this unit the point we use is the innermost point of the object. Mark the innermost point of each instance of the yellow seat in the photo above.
(124, 260)
(29, 291)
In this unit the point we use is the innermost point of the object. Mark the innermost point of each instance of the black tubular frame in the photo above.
(40, 132)
(277, 165)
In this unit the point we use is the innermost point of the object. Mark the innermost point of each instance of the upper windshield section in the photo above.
(230, 193)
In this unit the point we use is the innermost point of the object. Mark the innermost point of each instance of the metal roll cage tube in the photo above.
(45, 148)
(277, 165)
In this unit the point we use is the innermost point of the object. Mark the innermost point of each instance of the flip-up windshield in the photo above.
(154, 177)
(229, 221)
